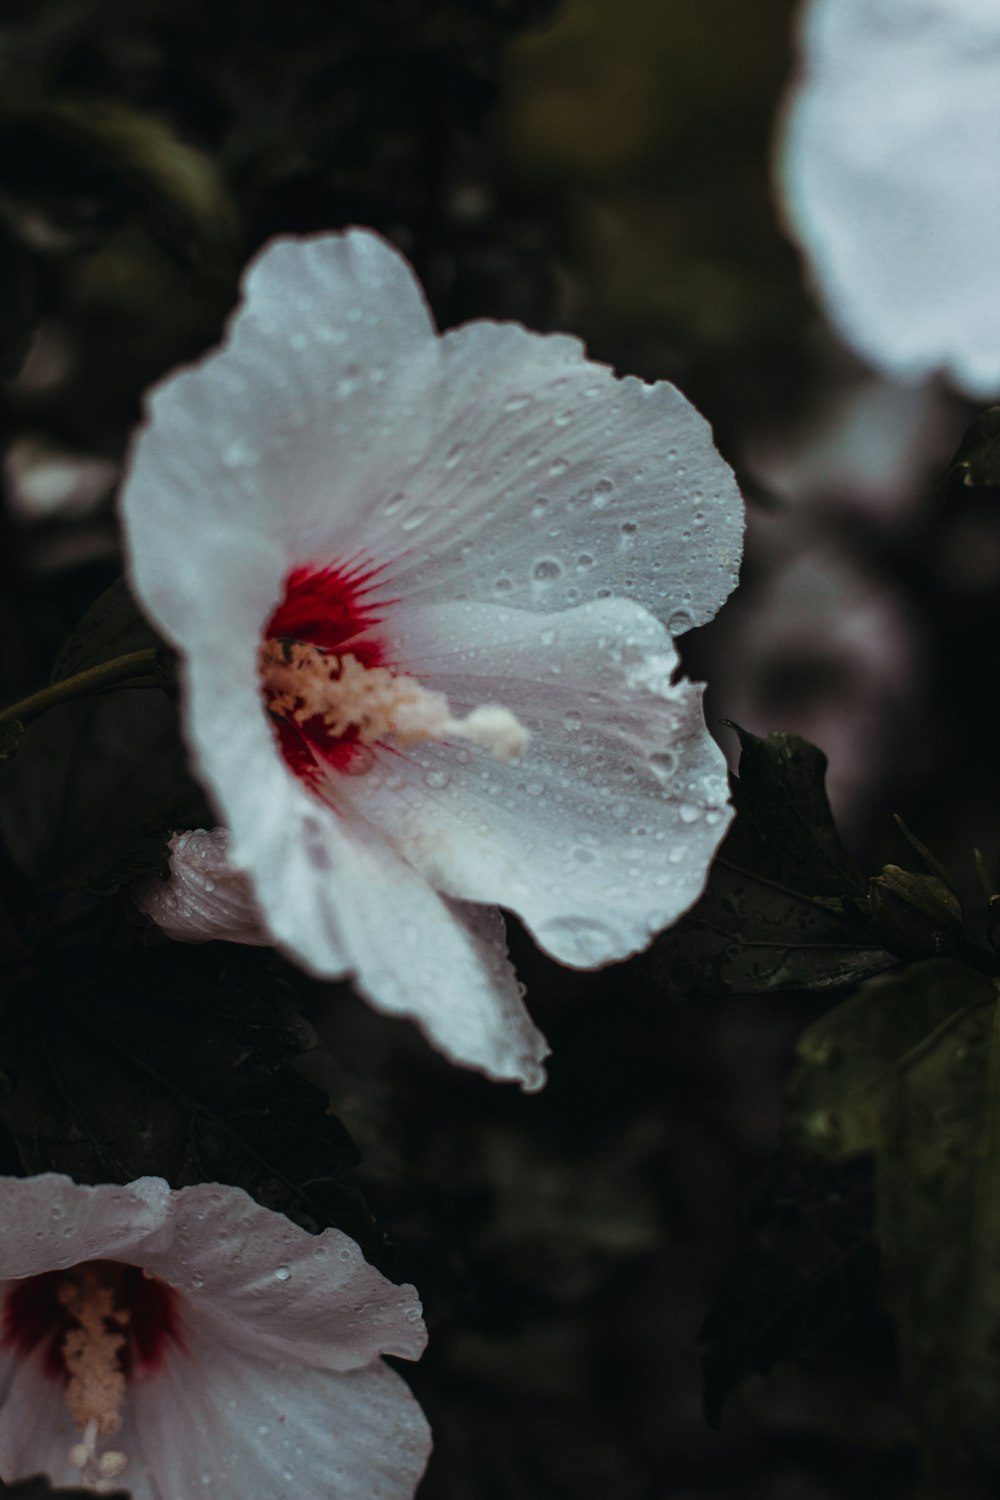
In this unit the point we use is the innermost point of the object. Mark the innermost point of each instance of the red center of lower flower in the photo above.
(141, 1310)
(332, 610)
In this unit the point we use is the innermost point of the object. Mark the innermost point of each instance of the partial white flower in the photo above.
(392, 563)
(190, 1342)
(890, 174)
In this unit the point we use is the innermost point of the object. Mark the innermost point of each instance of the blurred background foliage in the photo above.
(605, 169)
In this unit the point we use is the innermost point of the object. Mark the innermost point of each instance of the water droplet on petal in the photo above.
(679, 621)
(282, 1273)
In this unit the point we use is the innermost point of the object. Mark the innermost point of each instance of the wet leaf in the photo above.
(784, 906)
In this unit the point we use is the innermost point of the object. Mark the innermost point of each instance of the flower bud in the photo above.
(915, 916)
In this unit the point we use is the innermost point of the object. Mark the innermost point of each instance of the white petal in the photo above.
(549, 482)
(889, 167)
(264, 1283)
(50, 1222)
(415, 953)
(604, 832)
(229, 1426)
(490, 461)
(204, 899)
(36, 1429)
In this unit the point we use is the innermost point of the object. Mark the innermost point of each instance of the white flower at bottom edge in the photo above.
(412, 579)
(191, 1343)
(888, 171)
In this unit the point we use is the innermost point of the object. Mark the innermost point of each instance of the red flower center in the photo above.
(330, 609)
(145, 1312)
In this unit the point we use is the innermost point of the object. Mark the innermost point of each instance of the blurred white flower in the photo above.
(889, 166)
(391, 562)
(190, 1342)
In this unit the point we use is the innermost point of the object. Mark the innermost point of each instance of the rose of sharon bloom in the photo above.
(414, 581)
(889, 171)
(183, 1343)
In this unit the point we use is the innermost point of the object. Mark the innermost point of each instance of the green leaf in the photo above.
(910, 1068)
(810, 1266)
(784, 905)
(939, 1217)
(976, 465)
(99, 780)
(174, 1062)
(851, 1062)
(112, 626)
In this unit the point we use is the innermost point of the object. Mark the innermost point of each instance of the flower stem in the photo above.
(119, 670)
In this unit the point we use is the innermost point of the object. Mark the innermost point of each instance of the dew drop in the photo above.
(572, 721)
(558, 466)
(282, 1273)
(436, 780)
(689, 813)
(518, 401)
(664, 763)
(414, 519)
(547, 569)
(503, 585)
(679, 621)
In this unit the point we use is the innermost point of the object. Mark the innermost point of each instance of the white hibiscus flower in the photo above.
(889, 171)
(182, 1343)
(413, 580)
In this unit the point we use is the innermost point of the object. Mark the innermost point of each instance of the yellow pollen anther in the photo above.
(304, 682)
(91, 1349)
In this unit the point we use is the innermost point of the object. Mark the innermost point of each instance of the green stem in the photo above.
(118, 670)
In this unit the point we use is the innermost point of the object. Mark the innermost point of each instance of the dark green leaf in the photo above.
(811, 1264)
(939, 1217)
(783, 907)
(786, 819)
(98, 780)
(910, 1068)
(976, 465)
(91, 778)
(174, 1062)
(113, 626)
(852, 1061)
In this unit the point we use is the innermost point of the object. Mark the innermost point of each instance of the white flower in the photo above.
(889, 169)
(392, 564)
(191, 1343)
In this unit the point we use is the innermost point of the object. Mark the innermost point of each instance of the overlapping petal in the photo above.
(602, 833)
(275, 1387)
(492, 473)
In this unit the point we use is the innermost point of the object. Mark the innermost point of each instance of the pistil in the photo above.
(304, 683)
